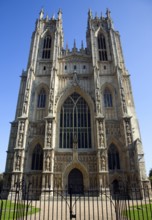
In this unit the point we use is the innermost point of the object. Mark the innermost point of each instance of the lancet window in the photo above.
(41, 102)
(75, 123)
(37, 158)
(107, 98)
(113, 158)
(102, 48)
(47, 47)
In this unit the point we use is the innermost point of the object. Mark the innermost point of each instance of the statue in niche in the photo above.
(100, 127)
(20, 139)
(128, 130)
(75, 79)
(21, 126)
(26, 95)
(49, 139)
(24, 107)
(101, 134)
(128, 127)
(51, 101)
(103, 163)
(49, 130)
(98, 108)
(47, 163)
(97, 95)
(18, 161)
(123, 99)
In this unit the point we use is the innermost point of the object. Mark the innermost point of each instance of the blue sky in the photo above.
(132, 18)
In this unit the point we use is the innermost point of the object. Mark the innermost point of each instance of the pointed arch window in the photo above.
(41, 102)
(113, 158)
(47, 47)
(102, 48)
(75, 123)
(107, 98)
(37, 158)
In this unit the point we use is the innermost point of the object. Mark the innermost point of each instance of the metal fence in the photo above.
(103, 204)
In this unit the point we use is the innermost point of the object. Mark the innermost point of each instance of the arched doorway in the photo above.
(75, 181)
(115, 185)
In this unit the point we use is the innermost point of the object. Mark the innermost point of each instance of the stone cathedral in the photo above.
(75, 123)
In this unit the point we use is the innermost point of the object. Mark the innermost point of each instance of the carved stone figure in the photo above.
(128, 131)
(51, 101)
(20, 140)
(103, 163)
(97, 95)
(18, 161)
(47, 163)
(101, 134)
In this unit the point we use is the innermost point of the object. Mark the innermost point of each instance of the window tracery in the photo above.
(75, 121)
(102, 48)
(107, 98)
(41, 99)
(37, 158)
(113, 158)
(46, 54)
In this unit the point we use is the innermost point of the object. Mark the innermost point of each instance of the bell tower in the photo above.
(116, 119)
(75, 113)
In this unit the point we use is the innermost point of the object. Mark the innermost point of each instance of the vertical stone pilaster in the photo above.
(102, 152)
(48, 156)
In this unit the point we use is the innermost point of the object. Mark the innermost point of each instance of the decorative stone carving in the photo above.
(49, 134)
(101, 134)
(97, 95)
(103, 163)
(47, 162)
(75, 79)
(128, 132)
(75, 142)
(24, 107)
(123, 100)
(58, 182)
(132, 160)
(51, 101)
(20, 140)
(36, 129)
(26, 96)
(113, 129)
(21, 133)
(18, 161)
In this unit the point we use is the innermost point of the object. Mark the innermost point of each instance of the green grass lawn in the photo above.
(139, 212)
(10, 210)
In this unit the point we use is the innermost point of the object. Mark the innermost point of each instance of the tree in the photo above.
(150, 176)
(1, 181)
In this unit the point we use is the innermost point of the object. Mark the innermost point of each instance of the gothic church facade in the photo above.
(75, 122)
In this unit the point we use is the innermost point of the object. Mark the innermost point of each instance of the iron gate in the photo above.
(30, 204)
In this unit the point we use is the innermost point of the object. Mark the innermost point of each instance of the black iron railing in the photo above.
(34, 204)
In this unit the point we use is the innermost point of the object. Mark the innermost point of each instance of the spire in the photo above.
(82, 45)
(109, 20)
(89, 14)
(41, 14)
(47, 17)
(108, 13)
(53, 17)
(96, 15)
(101, 16)
(74, 45)
(66, 48)
(59, 14)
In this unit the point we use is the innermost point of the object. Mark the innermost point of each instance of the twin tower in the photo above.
(75, 123)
